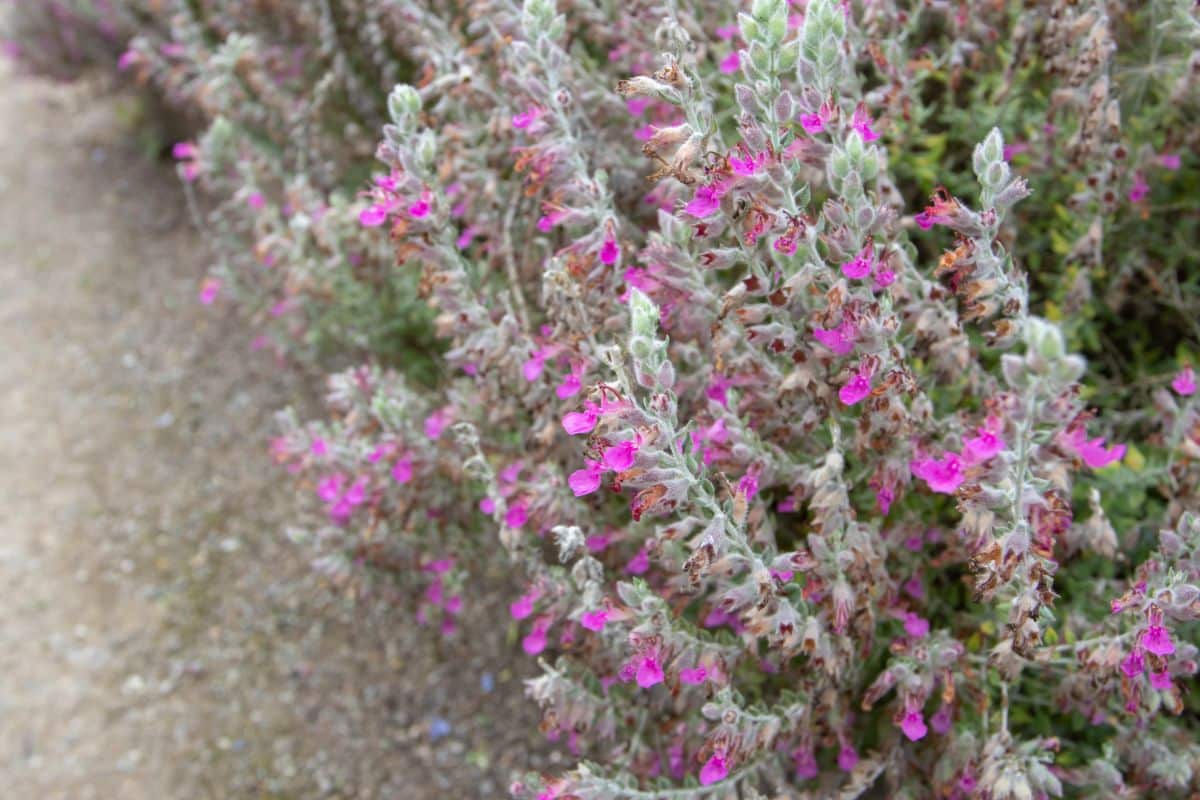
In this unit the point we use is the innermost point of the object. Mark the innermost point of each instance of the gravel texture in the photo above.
(159, 636)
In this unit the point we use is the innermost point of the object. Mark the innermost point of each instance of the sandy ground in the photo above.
(159, 637)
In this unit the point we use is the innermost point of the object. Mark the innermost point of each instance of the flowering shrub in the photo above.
(763, 333)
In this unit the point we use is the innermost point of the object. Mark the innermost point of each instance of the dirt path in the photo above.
(158, 636)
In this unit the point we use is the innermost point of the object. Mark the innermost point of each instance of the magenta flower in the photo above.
(847, 758)
(639, 563)
(813, 123)
(572, 384)
(256, 201)
(649, 671)
(517, 514)
(861, 122)
(610, 251)
(1156, 640)
(730, 63)
(840, 339)
(1161, 680)
(523, 606)
(436, 423)
(748, 165)
(127, 60)
(421, 207)
(208, 291)
(1134, 663)
(330, 487)
(594, 620)
(527, 118)
(319, 448)
(577, 422)
(1170, 161)
(621, 456)
(941, 720)
(706, 201)
(402, 470)
(714, 770)
(785, 244)
(587, 480)
(860, 266)
(535, 642)
(884, 278)
(1140, 188)
(1185, 382)
(805, 761)
(693, 677)
(913, 725)
(854, 391)
(943, 475)
(980, 448)
(1092, 452)
(916, 625)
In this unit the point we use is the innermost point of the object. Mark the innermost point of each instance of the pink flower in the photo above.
(571, 384)
(517, 514)
(1170, 161)
(649, 671)
(319, 448)
(639, 563)
(706, 201)
(373, 216)
(1185, 382)
(535, 642)
(813, 123)
(714, 770)
(435, 423)
(785, 244)
(527, 118)
(861, 122)
(884, 278)
(840, 339)
(884, 496)
(943, 475)
(1134, 663)
(1160, 680)
(913, 725)
(330, 488)
(693, 677)
(980, 448)
(1092, 452)
(621, 456)
(806, 763)
(748, 165)
(610, 251)
(1140, 188)
(578, 422)
(183, 151)
(847, 758)
(594, 620)
(523, 606)
(854, 391)
(256, 201)
(916, 625)
(208, 291)
(941, 720)
(860, 266)
(1156, 640)
(421, 207)
(128, 59)
(730, 63)
(587, 480)
(402, 470)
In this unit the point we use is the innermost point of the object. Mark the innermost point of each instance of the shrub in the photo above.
(793, 443)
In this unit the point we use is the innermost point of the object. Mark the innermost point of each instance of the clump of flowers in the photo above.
(803, 478)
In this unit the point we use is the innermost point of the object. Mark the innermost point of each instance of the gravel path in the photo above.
(159, 638)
